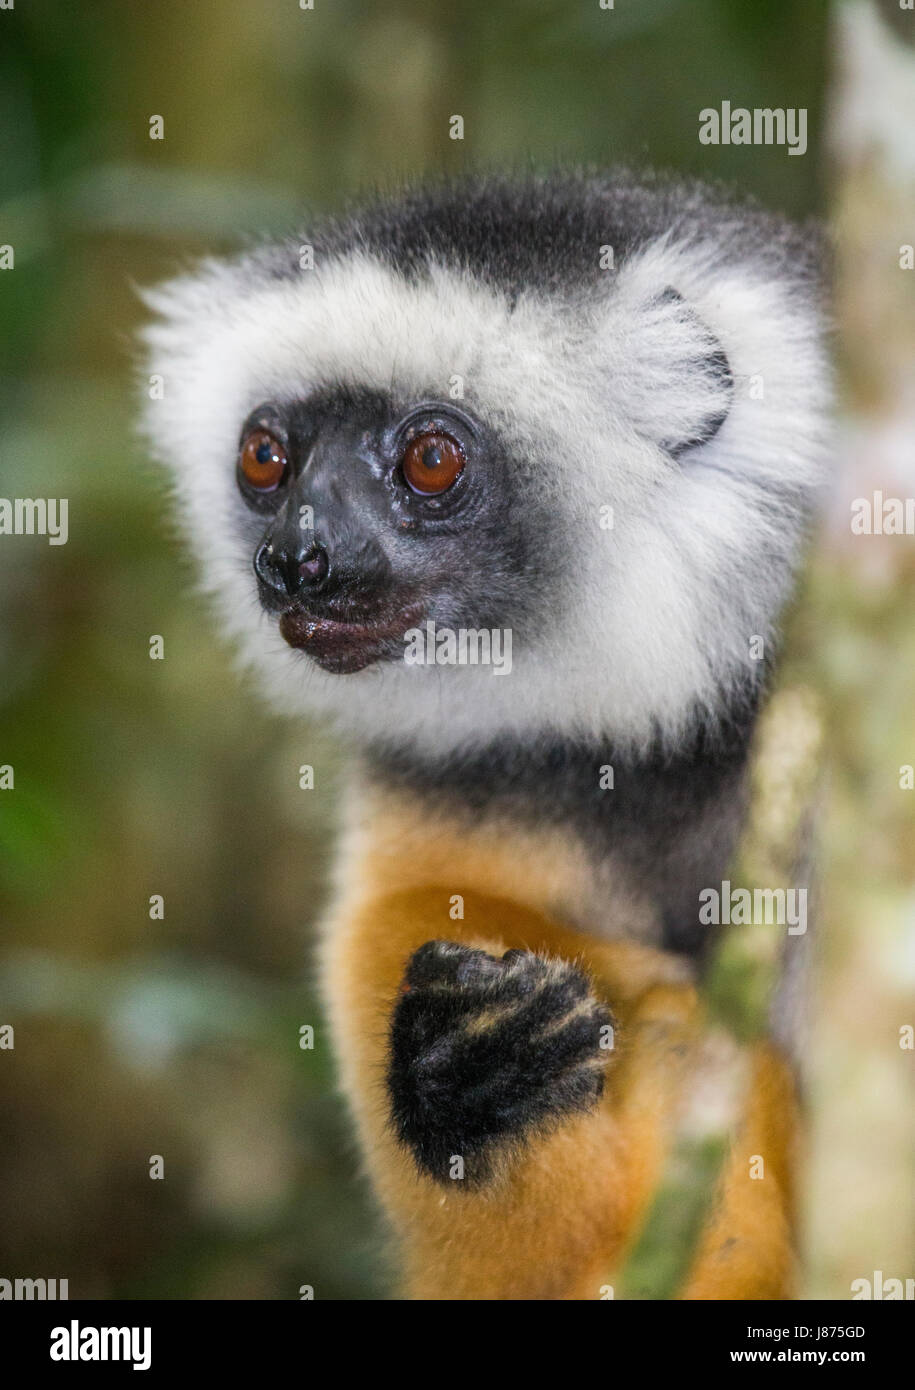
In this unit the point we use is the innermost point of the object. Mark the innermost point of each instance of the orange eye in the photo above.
(262, 461)
(432, 462)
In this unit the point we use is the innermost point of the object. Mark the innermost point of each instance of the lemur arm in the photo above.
(565, 1192)
(747, 1249)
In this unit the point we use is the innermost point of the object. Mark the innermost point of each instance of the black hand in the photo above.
(485, 1050)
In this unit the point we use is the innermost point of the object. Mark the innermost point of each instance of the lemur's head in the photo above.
(588, 413)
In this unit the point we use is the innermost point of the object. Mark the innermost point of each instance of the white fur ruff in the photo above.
(651, 618)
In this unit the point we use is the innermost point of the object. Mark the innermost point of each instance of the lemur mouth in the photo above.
(344, 647)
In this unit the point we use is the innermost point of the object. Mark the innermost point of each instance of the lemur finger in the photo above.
(446, 963)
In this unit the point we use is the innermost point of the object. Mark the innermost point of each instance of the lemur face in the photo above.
(452, 414)
(367, 517)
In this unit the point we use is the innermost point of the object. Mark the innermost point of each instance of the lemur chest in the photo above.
(396, 841)
(618, 846)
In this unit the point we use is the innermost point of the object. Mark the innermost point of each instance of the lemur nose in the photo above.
(284, 572)
(314, 566)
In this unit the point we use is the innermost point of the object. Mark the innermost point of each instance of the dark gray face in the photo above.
(367, 518)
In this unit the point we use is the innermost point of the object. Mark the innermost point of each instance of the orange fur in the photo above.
(747, 1249)
(563, 1210)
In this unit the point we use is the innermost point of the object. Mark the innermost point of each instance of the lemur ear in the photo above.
(684, 386)
(706, 366)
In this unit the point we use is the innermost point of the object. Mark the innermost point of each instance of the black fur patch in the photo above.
(673, 817)
(544, 232)
(484, 1050)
